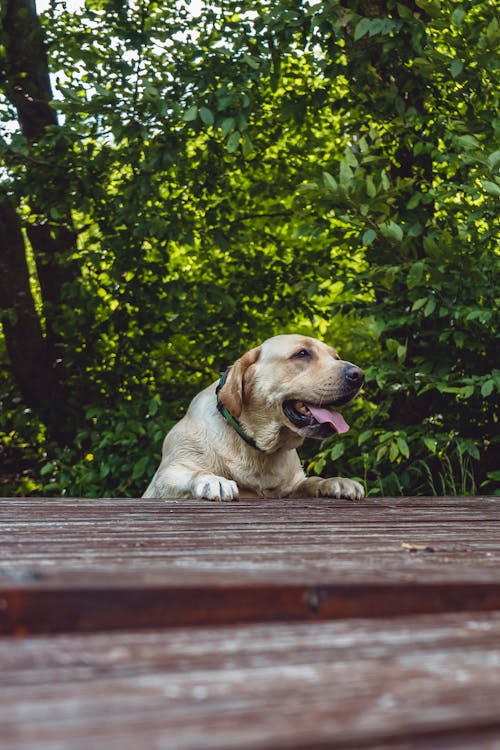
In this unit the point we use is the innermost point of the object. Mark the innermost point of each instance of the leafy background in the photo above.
(191, 180)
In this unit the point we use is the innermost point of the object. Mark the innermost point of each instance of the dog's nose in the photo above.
(354, 375)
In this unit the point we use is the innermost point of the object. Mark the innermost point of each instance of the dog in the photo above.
(239, 436)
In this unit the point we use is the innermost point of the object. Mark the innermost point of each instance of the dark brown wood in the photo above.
(406, 682)
(26, 610)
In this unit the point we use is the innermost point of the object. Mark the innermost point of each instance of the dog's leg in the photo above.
(150, 492)
(332, 487)
(181, 481)
(211, 487)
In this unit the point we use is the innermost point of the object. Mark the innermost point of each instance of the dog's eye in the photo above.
(302, 354)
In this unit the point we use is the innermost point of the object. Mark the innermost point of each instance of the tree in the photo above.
(201, 182)
(37, 353)
(418, 187)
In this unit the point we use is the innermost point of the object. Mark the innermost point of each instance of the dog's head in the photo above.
(290, 388)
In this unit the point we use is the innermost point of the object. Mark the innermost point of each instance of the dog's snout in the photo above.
(354, 375)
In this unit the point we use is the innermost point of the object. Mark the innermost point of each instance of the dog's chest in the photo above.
(267, 478)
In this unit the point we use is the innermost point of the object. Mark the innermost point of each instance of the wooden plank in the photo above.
(89, 565)
(417, 682)
(447, 508)
(26, 610)
(268, 537)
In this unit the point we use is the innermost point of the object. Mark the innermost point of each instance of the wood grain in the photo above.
(365, 683)
(116, 564)
(259, 625)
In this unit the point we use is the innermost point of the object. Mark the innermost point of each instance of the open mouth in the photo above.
(312, 415)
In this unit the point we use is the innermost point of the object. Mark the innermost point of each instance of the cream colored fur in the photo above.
(204, 457)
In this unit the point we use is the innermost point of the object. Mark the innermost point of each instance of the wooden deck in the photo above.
(264, 624)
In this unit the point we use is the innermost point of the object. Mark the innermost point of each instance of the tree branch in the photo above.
(27, 82)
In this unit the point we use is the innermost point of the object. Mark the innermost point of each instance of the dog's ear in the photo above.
(232, 393)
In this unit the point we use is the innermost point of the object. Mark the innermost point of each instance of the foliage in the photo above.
(325, 167)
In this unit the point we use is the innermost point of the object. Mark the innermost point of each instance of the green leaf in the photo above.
(414, 201)
(457, 17)
(206, 116)
(419, 303)
(432, 7)
(491, 187)
(431, 247)
(386, 183)
(366, 435)
(246, 146)
(494, 159)
(345, 175)
(415, 274)
(47, 469)
(430, 306)
(312, 289)
(308, 187)
(401, 352)
(104, 471)
(154, 406)
(362, 28)
(391, 231)
(227, 126)
(492, 31)
(393, 452)
(350, 158)
(405, 13)
(318, 465)
(191, 114)
(456, 68)
(371, 190)
(251, 61)
(233, 142)
(337, 451)
(430, 443)
(415, 230)
(487, 388)
(140, 467)
(368, 237)
(330, 181)
(468, 142)
(473, 451)
(403, 447)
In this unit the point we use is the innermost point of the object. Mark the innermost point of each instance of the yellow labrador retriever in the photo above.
(238, 437)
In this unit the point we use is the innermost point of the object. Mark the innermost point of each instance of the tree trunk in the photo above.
(26, 345)
(27, 82)
(39, 359)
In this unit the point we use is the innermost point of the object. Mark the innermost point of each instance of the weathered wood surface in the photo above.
(419, 682)
(107, 564)
(263, 625)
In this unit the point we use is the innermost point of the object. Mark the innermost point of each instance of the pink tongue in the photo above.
(336, 420)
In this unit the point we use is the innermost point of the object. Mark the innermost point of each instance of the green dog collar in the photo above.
(232, 420)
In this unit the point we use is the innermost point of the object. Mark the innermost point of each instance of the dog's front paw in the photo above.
(211, 487)
(339, 487)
